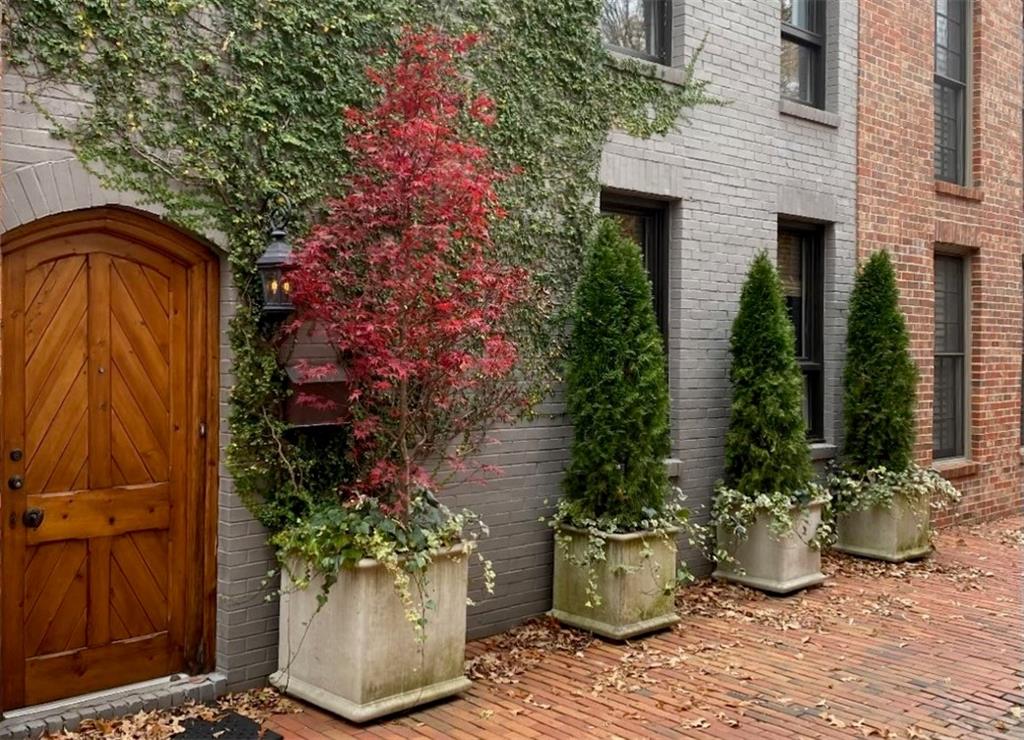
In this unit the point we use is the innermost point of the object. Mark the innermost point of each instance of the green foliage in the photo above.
(880, 376)
(327, 538)
(766, 449)
(208, 106)
(875, 488)
(616, 388)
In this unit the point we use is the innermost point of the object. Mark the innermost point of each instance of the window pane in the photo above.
(949, 305)
(949, 149)
(801, 13)
(797, 71)
(948, 408)
(951, 38)
(948, 420)
(790, 260)
(645, 226)
(799, 265)
(634, 25)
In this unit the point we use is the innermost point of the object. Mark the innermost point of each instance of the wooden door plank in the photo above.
(142, 582)
(184, 424)
(75, 454)
(12, 542)
(65, 334)
(125, 603)
(101, 513)
(63, 633)
(81, 671)
(151, 449)
(145, 307)
(65, 274)
(61, 404)
(100, 371)
(99, 591)
(141, 363)
(54, 590)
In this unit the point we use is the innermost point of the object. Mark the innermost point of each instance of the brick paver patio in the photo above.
(926, 650)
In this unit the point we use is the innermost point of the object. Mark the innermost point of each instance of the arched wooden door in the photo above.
(108, 355)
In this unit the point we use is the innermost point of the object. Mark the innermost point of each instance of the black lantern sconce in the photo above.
(273, 264)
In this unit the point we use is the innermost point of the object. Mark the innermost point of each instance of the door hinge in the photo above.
(202, 429)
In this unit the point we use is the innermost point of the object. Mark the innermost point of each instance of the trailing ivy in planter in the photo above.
(615, 527)
(768, 510)
(881, 500)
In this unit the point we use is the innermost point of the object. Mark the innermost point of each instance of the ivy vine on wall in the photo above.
(206, 106)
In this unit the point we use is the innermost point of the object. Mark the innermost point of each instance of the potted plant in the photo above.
(881, 500)
(403, 280)
(767, 512)
(616, 525)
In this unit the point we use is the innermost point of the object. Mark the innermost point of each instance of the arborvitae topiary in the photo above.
(880, 377)
(766, 447)
(617, 389)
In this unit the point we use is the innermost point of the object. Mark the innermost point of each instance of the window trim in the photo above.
(942, 456)
(817, 41)
(659, 246)
(662, 28)
(812, 363)
(964, 91)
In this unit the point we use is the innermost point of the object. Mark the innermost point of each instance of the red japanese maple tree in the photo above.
(404, 279)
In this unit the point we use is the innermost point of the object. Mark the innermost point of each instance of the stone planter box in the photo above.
(637, 591)
(359, 657)
(897, 534)
(778, 566)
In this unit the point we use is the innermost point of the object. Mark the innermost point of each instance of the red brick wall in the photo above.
(902, 209)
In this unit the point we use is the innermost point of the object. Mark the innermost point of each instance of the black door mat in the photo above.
(231, 726)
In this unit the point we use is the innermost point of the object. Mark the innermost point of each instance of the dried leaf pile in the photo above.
(258, 705)
(516, 651)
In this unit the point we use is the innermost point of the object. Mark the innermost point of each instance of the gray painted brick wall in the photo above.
(727, 177)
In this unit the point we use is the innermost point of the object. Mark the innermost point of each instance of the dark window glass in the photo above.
(645, 224)
(948, 422)
(800, 258)
(951, 22)
(802, 63)
(637, 27)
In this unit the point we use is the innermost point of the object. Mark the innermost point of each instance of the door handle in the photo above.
(32, 518)
(15, 482)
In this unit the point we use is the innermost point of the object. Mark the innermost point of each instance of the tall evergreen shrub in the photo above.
(766, 445)
(880, 377)
(617, 389)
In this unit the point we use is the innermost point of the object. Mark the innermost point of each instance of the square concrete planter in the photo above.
(896, 534)
(359, 657)
(637, 590)
(778, 566)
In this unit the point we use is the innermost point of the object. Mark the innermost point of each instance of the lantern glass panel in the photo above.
(276, 288)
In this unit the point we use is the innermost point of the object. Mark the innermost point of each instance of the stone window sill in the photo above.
(668, 75)
(808, 113)
(822, 451)
(959, 191)
(957, 467)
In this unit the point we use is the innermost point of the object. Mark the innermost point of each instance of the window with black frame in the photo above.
(951, 53)
(948, 407)
(639, 28)
(645, 223)
(802, 68)
(800, 263)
